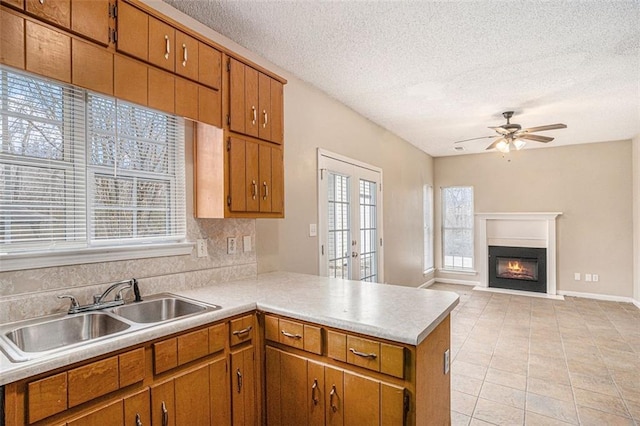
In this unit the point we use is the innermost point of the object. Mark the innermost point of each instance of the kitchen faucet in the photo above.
(99, 299)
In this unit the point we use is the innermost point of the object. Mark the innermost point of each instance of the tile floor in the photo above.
(521, 360)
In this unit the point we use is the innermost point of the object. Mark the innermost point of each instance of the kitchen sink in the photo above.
(38, 337)
(165, 308)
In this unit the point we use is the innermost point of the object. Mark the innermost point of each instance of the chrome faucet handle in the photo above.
(74, 301)
(119, 293)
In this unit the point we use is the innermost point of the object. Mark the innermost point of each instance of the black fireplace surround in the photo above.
(518, 268)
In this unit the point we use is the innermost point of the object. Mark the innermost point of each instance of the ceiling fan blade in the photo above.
(494, 143)
(500, 130)
(547, 127)
(473, 139)
(537, 138)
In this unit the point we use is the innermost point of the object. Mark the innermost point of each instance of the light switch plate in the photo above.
(201, 248)
(246, 243)
(313, 230)
(232, 244)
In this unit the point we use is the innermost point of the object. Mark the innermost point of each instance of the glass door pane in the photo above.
(338, 226)
(368, 231)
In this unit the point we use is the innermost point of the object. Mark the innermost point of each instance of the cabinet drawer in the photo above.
(131, 367)
(47, 396)
(294, 334)
(93, 380)
(193, 345)
(241, 330)
(217, 337)
(165, 355)
(367, 353)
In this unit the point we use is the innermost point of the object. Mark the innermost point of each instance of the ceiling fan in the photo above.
(511, 135)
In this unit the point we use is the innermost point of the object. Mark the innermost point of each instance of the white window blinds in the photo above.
(116, 178)
(42, 164)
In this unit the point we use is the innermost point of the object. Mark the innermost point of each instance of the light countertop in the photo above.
(395, 313)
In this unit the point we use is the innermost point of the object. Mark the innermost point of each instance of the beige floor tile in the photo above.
(497, 413)
(506, 378)
(550, 389)
(513, 365)
(598, 401)
(466, 384)
(594, 368)
(463, 403)
(535, 419)
(550, 407)
(591, 417)
(503, 394)
(552, 372)
(458, 419)
(478, 422)
(634, 409)
(468, 369)
(470, 356)
(603, 385)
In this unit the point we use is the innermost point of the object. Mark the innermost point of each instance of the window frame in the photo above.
(453, 268)
(428, 258)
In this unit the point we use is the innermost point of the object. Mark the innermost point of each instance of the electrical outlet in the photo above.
(232, 245)
(201, 248)
(246, 243)
(576, 276)
(587, 277)
(595, 278)
(446, 361)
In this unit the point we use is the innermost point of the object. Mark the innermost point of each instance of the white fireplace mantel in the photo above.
(521, 229)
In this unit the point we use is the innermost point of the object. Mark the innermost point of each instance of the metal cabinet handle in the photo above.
(363, 354)
(332, 394)
(254, 189)
(165, 415)
(293, 336)
(138, 420)
(314, 388)
(266, 190)
(41, 1)
(243, 331)
(266, 118)
(184, 55)
(167, 48)
(255, 115)
(239, 377)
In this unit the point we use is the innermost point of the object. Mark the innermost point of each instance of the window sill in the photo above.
(458, 271)
(429, 271)
(20, 261)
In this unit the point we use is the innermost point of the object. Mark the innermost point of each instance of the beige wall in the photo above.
(636, 217)
(314, 120)
(591, 184)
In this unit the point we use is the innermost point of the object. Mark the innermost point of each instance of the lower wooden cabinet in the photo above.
(243, 387)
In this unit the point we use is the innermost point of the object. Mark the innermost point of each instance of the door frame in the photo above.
(322, 156)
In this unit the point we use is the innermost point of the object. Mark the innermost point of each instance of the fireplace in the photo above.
(518, 268)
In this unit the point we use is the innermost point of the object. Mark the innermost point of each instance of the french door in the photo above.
(350, 218)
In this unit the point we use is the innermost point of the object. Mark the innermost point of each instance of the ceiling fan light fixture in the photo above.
(503, 146)
(519, 144)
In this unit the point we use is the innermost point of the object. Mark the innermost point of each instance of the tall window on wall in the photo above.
(457, 228)
(427, 210)
(80, 171)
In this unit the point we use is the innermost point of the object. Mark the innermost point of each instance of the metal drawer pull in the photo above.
(138, 420)
(165, 415)
(167, 48)
(254, 189)
(255, 115)
(239, 376)
(314, 388)
(363, 354)
(243, 331)
(293, 336)
(266, 190)
(333, 394)
(184, 55)
(266, 118)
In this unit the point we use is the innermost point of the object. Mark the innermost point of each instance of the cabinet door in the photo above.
(92, 67)
(15, 3)
(163, 404)
(133, 31)
(243, 387)
(161, 90)
(136, 409)
(315, 394)
(265, 178)
(293, 389)
(264, 106)
(55, 11)
(391, 405)
(209, 106)
(273, 386)
(130, 80)
(91, 19)
(334, 396)
(361, 400)
(162, 44)
(236, 96)
(219, 390)
(237, 174)
(252, 190)
(251, 97)
(277, 180)
(110, 415)
(48, 52)
(276, 118)
(186, 98)
(186, 56)
(209, 66)
(11, 39)
(192, 398)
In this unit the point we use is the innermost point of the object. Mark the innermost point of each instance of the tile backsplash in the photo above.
(32, 292)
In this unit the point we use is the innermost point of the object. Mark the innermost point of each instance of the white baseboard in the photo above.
(637, 303)
(519, 293)
(428, 283)
(456, 281)
(597, 296)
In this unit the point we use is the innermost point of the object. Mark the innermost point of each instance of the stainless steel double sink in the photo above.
(38, 337)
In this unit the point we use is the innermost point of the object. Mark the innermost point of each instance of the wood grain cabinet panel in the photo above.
(137, 407)
(192, 346)
(243, 387)
(165, 355)
(264, 167)
(15, 3)
(209, 106)
(186, 56)
(264, 106)
(130, 80)
(251, 98)
(276, 117)
(47, 397)
(334, 396)
(48, 52)
(361, 400)
(161, 90)
(162, 44)
(186, 98)
(252, 176)
(92, 67)
(237, 175)
(133, 31)
(91, 18)
(241, 330)
(209, 66)
(11, 39)
(54, 11)
(237, 102)
(131, 367)
(220, 394)
(316, 391)
(163, 403)
(217, 337)
(192, 397)
(110, 415)
(277, 180)
(93, 380)
(363, 353)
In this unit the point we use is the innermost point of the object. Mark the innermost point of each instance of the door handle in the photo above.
(239, 378)
(165, 415)
(314, 388)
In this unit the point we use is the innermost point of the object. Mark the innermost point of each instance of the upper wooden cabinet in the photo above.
(94, 19)
(48, 52)
(186, 56)
(133, 31)
(209, 66)
(255, 103)
(162, 44)
(11, 39)
(55, 11)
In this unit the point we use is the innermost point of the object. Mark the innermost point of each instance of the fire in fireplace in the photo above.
(518, 268)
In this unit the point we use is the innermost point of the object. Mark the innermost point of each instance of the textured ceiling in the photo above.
(434, 72)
